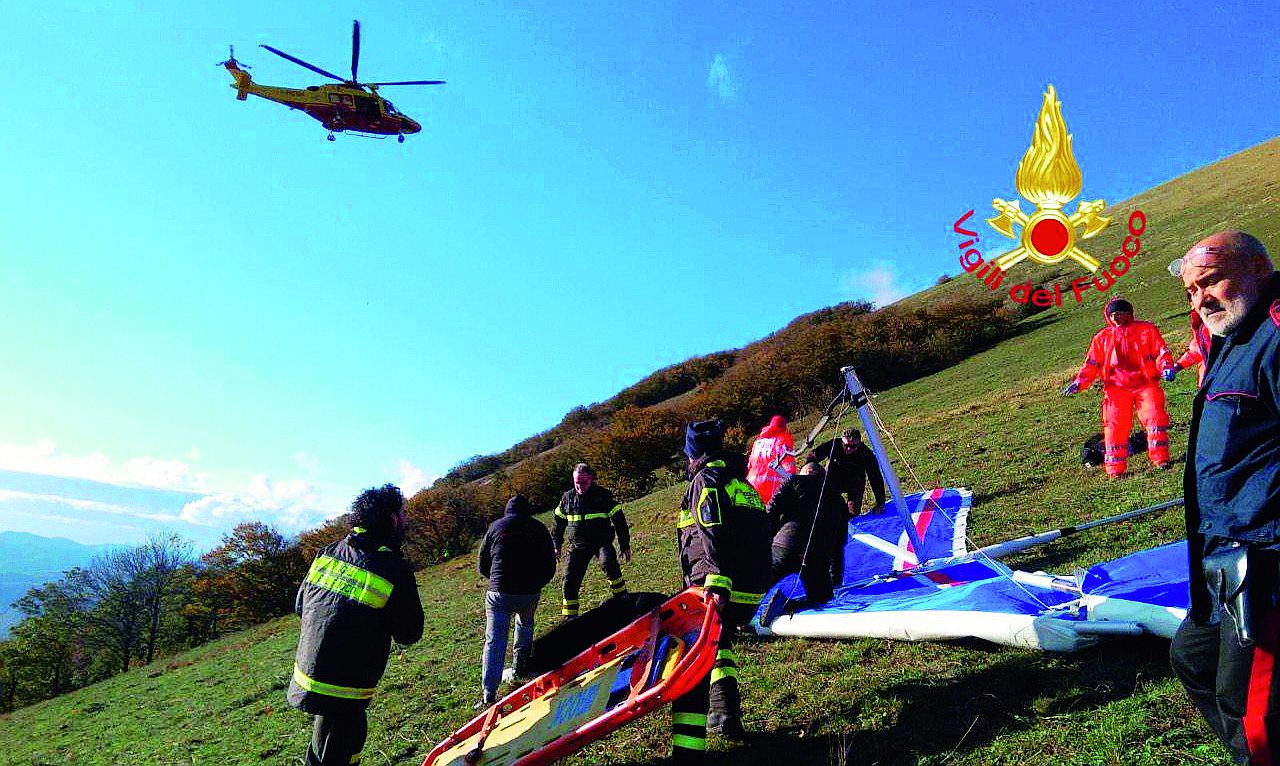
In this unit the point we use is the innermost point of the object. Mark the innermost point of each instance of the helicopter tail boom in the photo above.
(242, 78)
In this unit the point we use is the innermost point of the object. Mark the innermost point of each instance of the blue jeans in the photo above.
(498, 610)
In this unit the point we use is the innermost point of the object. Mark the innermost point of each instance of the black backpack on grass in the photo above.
(1092, 454)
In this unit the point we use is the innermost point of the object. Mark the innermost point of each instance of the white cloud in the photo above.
(878, 283)
(719, 80)
(412, 478)
(44, 457)
(290, 504)
(293, 505)
(83, 505)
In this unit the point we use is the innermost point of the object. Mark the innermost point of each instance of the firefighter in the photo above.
(1130, 357)
(851, 467)
(723, 538)
(772, 458)
(359, 595)
(588, 516)
(810, 526)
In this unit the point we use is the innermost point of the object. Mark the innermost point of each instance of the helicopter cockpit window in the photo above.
(391, 109)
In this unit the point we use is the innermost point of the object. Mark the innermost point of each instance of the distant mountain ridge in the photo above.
(28, 561)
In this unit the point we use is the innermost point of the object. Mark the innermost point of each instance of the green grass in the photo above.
(994, 423)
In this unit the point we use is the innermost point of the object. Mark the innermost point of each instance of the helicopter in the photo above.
(349, 105)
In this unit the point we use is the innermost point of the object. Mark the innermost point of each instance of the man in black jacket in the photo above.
(850, 465)
(588, 515)
(811, 525)
(359, 595)
(723, 538)
(518, 559)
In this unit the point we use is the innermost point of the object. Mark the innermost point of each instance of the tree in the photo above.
(46, 650)
(256, 571)
(160, 560)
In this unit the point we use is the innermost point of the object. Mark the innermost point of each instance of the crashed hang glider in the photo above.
(908, 575)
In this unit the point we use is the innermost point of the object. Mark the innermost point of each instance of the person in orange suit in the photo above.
(1129, 357)
(1197, 350)
(772, 458)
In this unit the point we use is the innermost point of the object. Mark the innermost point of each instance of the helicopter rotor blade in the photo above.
(355, 49)
(302, 63)
(408, 82)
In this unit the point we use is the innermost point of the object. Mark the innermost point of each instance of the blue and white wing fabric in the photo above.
(1148, 588)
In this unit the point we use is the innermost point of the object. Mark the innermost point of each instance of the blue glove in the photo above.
(1168, 373)
(1071, 388)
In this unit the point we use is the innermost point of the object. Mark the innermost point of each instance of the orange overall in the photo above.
(1129, 358)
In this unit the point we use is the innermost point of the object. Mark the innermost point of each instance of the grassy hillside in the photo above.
(994, 423)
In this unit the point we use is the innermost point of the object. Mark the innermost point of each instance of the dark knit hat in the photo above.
(703, 437)
(1119, 304)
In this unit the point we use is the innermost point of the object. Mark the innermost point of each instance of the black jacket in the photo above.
(1232, 480)
(517, 555)
(849, 473)
(591, 519)
(359, 595)
(792, 510)
(722, 533)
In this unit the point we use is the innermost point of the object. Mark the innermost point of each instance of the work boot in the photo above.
(727, 726)
(485, 703)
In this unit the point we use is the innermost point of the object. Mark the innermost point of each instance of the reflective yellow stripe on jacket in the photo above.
(576, 517)
(349, 580)
(305, 681)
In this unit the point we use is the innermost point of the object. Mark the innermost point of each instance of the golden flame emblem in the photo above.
(1049, 177)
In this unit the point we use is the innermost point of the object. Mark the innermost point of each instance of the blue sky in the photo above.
(205, 298)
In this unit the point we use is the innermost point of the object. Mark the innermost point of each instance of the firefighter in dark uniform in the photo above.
(723, 538)
(1224, 652)
(811, 525)
(851, 465)
(589, 516)
(359, 595)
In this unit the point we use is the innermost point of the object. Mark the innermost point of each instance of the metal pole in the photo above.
(858, 395)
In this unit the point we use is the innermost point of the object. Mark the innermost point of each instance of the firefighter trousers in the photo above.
(717, 692)
(1118, 404)
(575, 569)
(337, 739)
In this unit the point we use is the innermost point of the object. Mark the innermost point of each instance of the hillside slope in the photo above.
(994, 423)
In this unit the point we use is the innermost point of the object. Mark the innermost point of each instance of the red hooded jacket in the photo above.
(772, 446)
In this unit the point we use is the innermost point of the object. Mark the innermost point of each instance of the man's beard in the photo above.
(1229, 312)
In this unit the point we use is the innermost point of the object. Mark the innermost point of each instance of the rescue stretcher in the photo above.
(645, 665)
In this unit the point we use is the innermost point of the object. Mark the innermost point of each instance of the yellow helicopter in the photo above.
(350, 105)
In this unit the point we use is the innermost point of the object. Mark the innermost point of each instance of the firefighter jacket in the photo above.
(590, 519)
(793, 509)
(517, 555)
(850, 472)
(722, 533)
(358, 595)
(1131, 356)
(1232, 480)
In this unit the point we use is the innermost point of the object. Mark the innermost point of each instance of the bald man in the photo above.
(1225, 652)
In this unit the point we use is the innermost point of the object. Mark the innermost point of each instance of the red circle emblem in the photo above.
(1049, 236)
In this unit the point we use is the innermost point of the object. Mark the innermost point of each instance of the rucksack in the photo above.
(1092, 453)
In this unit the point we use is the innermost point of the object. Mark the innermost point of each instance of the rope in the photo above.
(813, 524)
